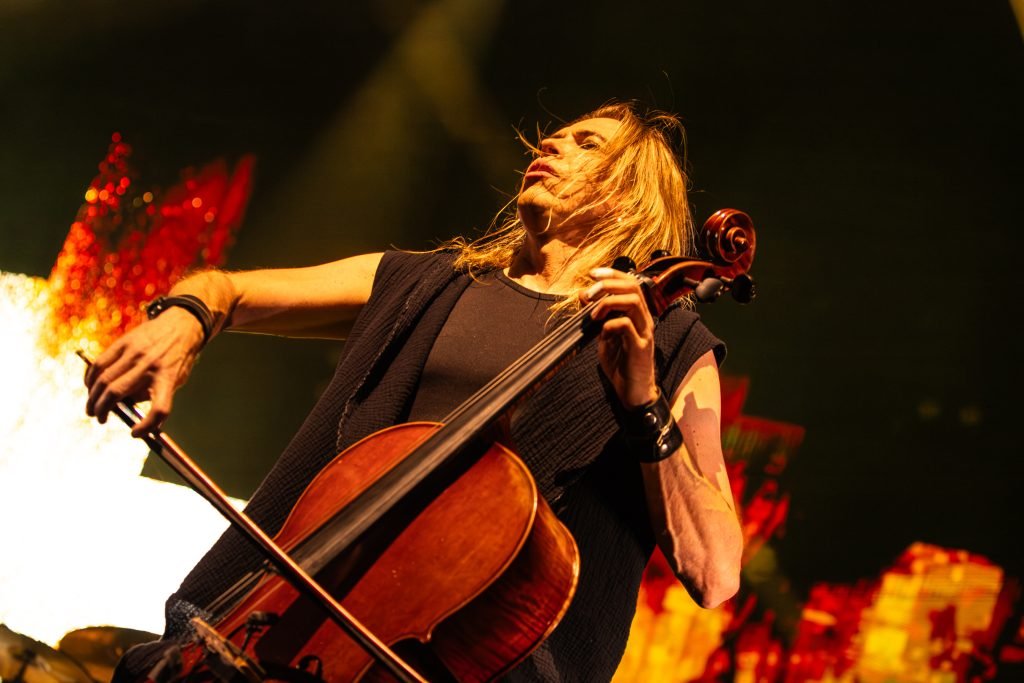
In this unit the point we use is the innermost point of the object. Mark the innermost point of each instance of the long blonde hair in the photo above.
(648, 182)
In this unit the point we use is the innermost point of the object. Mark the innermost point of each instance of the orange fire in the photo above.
(127, 246)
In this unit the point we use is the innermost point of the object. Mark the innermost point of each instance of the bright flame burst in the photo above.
(86, 540)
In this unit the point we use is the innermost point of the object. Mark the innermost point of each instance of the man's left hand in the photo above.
(626, 343)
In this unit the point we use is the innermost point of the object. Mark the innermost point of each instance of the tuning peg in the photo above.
(660, 253)
(624, 264)
(709, 289)
(743, 289)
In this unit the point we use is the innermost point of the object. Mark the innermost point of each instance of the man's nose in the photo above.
(549, 146)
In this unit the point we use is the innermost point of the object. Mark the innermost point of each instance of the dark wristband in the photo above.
(192, 304)
(651, 431)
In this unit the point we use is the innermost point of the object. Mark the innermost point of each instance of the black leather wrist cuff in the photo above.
(651, 431)
(192, 304)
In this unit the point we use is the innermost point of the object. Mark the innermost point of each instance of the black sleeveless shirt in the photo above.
(494, 322)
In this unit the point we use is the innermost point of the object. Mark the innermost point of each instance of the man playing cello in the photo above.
(606, 185)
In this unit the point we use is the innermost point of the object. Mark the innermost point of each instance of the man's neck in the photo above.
(544, 266)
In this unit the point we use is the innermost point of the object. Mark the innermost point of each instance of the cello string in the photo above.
(549, 342)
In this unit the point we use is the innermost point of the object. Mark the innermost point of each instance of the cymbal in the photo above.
(99, 647)
(24, 660)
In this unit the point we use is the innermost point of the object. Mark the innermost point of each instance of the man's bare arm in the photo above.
(689, 497)
(318, 301)
(153, 359)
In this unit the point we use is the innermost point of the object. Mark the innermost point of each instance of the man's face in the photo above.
(562, 180)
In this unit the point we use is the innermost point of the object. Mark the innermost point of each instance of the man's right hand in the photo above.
(148, 363)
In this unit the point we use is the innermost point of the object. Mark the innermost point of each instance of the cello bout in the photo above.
(480, 575)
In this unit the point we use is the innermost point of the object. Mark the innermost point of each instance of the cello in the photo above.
(416, 506)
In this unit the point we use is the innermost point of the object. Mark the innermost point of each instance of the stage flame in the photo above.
(87, 541)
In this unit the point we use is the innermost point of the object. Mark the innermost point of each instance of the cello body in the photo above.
(480, 572)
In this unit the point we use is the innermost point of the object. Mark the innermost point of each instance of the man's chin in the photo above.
(533, 214)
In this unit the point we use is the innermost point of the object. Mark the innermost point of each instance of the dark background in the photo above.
(877, 145)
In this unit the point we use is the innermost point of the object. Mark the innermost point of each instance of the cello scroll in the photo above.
(727, 243)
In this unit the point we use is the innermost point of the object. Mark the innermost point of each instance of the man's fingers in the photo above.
(616, 291)
(159, 409)
(110, 355)
(623, 330)
(129, 382)
(104, 377)
(619, 283)
(626, 344)
(100, 363)
(631, 304)
(147, 424)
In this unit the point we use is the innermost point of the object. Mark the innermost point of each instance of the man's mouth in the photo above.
(537, 171)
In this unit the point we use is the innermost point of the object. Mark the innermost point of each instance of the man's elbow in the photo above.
(714, 586)
(722, 587)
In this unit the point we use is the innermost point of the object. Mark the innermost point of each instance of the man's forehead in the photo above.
(604, 127)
